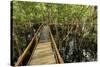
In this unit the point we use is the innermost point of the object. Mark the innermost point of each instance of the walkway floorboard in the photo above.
(43, 54)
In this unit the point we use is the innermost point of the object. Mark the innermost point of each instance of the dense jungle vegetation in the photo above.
(74, 28)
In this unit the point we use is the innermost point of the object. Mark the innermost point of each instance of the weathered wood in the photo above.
(58, 57)
(43, 54)
(20, 59)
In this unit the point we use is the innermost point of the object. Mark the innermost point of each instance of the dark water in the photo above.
(75, 53)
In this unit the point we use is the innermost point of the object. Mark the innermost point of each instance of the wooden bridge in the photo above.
(45, 50)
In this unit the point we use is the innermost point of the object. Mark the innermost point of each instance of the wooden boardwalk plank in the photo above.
(43, 54)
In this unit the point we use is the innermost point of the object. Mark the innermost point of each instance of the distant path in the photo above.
(44, 35)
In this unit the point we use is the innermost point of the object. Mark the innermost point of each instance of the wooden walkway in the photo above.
(43, 54)
(45, 50)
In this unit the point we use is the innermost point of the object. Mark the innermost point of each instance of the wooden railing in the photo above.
(56, 51)
(21, 58)
(33, 49)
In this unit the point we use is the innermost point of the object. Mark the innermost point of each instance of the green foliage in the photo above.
(26, 13)
(36, 12)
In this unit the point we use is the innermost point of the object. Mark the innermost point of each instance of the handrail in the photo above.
(59, 58)
(32, 52)
(21, 58)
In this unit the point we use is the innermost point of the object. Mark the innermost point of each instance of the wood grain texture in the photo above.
(43, 54)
